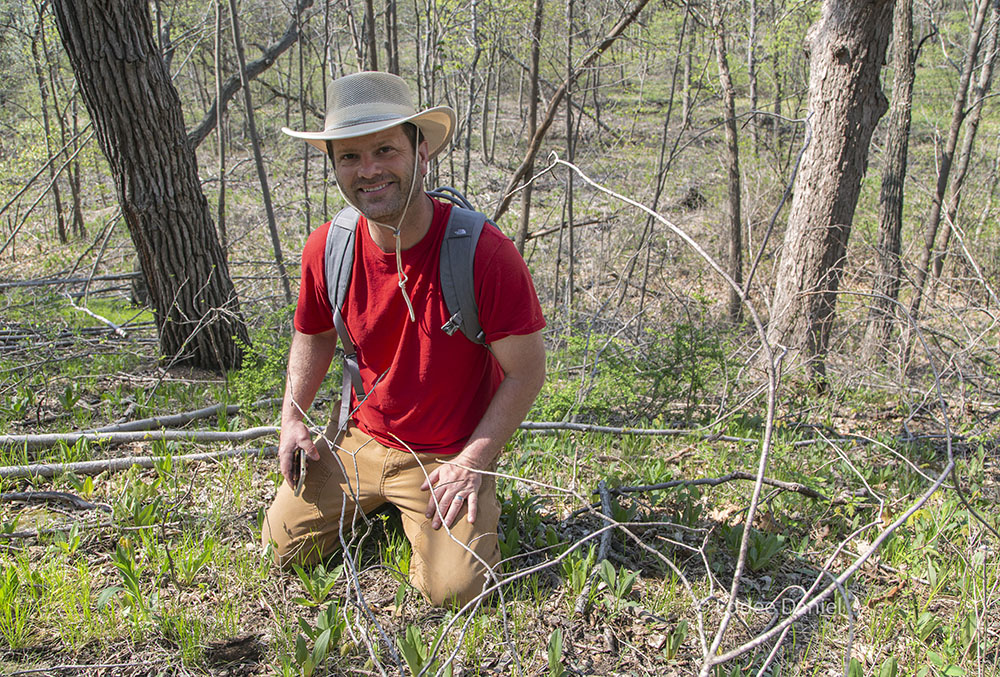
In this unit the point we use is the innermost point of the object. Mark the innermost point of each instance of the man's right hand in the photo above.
(294, 436)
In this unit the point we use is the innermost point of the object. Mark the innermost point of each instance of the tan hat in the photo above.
(370, 101)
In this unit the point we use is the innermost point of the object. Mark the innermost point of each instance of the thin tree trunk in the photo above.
(137, 115)
(371, 43)
(885, 286)
(303, 119)
(478, 47)
(945, 161)
(391, 37)
(47, 129)
(734, 254)
(258, 158)
(752, 75)
(974, 116)
(220, 132)
(536, 41)
(847, 45)
(586, 62)
(570, 157)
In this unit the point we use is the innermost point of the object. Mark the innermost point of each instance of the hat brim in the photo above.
(436, 125)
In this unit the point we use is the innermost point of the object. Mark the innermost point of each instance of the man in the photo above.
(437, 408)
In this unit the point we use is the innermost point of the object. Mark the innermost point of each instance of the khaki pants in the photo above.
(302, 529)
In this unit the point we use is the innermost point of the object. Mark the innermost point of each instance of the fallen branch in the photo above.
(616, 430)
(738, 475)
(119, 464)
(181, 419)
(52, 496)
(38, 442)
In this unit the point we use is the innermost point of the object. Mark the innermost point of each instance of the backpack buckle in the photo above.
(453, 324)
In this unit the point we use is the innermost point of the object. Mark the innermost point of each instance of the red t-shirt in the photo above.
(436, 387)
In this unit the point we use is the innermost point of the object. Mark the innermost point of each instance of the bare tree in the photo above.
(536, 40)
(734, 253)
(885, 287)
(958, 113)
(140, 127)
(847, 47)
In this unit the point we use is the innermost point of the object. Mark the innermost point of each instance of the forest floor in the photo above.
(160, 570)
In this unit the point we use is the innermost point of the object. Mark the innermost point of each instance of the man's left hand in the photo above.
(454, 487)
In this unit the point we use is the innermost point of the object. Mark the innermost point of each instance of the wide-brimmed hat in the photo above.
(368, 102)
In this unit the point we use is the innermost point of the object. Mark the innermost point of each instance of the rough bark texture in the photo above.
(734, 242)
(885, 286)
(848, 45)
(137, 116)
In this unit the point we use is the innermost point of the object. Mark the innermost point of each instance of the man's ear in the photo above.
(423, 154)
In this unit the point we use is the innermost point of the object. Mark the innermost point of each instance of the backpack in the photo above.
(458, 251)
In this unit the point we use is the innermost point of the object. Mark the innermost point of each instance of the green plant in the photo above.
(417, 653)
(136, 601)
(619, 582)
(761, 549)
(317, 581)
(554, 649)
(674, 640)
(17, 607)
(192, 557)
(67, 541)
(576, 568)
(325, 634)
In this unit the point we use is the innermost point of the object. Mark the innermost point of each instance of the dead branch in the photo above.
(45, 441)
(176, 420)
(52, 496)
(253, 69)
(119, 464)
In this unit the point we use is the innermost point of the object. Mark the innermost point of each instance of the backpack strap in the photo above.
(458, 252)
(338, 261)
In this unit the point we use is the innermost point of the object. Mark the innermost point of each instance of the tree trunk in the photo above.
(47, 129)
(220, 132)
(947, 156)
(974, 116)
(848, 45)
(391, 37)
(734, 253)
(137, 114)
(258, 157)
(536, 40)
(885, 287)
(752, 76)
(570, 157)
(371, 44)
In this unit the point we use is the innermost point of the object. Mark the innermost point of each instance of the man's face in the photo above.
(376, 172)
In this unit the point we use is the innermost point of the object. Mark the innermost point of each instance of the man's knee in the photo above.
(455, 587)
(288, 549)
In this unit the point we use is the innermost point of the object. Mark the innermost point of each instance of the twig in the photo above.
(737, 475)
(84, 309)
(119, 464)
(619, 430)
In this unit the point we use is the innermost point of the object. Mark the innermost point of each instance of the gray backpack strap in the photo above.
(458, 252)
(338, 260)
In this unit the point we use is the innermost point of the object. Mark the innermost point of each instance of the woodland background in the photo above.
(839, 397)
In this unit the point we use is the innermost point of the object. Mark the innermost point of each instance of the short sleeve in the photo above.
(505, 294)
(313, 314)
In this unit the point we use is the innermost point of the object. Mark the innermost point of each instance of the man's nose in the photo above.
(369, 166)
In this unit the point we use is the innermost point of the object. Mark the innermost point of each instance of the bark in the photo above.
(137, 115)
(253, 69)
(220, 132)
(752, 75)
(371, 45)
(536, 41)
(391, 37)
(848, 45)
(734, 253)
(570, 157)
(885, 287)
(933, 219)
